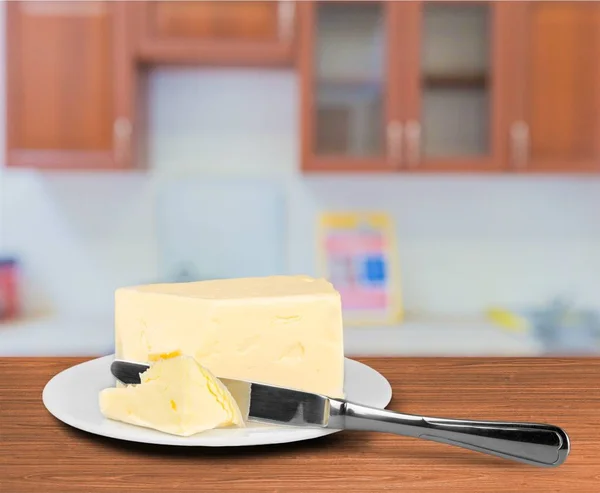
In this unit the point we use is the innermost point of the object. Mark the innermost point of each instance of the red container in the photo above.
(9, 289)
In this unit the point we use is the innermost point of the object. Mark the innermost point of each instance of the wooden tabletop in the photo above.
(40, 454)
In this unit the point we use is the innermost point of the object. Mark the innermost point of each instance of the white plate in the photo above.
(72, 397)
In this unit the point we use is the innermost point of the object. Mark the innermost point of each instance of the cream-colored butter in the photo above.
(282, 330)
(177, 396)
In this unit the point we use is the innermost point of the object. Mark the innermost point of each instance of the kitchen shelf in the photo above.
(349, 82)
(455, 81)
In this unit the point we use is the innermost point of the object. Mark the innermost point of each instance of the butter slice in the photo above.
(176, 396)
(279, 330)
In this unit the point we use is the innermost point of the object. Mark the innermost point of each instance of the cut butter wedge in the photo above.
(177, 396)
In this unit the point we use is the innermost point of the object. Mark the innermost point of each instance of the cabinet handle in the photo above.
(286, 13)
(413, 143)
(122, 129)
(394, 141)
(519, 140)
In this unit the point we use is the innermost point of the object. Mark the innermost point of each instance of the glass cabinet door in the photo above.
(347, 85)
(453, 118)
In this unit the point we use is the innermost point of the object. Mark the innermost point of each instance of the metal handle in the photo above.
(413, 143)
(519, 136)
(394, 141)
(122, 129)
(286, 13)
(535, 444)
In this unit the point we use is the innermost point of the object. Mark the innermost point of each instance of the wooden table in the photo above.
(40, 454)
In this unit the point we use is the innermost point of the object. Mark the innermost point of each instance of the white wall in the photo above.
(465, 242)
(228, 122)
(78, 236)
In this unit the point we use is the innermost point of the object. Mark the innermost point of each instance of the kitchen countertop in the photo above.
(57, 336)
(94, 336)
(39, 453)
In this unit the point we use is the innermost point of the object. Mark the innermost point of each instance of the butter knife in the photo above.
(530, 443)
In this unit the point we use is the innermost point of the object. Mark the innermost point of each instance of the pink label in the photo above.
(353, 244)
(363, 299)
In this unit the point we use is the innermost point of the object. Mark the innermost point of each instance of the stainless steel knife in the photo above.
(536, 444)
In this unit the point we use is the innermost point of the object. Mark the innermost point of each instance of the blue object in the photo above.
(8, 261)
(565, 329)
(373, 270)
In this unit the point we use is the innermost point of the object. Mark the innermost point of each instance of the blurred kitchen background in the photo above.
(171, 141)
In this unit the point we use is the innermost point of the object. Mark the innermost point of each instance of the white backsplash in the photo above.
(465, 242)
(79, 236)
(218, 228)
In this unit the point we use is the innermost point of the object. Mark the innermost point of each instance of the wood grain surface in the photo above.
(40, 454)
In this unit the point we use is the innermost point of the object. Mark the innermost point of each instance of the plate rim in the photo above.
(276, 438)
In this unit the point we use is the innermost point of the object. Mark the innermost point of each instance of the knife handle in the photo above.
(536, 444)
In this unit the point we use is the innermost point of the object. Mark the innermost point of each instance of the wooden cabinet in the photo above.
(453, 82)
(450, 86)
(384, 85)
(555, 97)
(348, 98)
(69, 85)
(217, 32)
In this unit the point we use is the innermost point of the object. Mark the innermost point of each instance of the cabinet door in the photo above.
(346, 95)
(68, 85)
(455, 117)
(220, 32)
(556, 91)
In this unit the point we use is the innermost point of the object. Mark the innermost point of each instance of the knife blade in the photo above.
(267, 403)
(536, 444)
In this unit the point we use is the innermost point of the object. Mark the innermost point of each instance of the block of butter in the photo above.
(177, 396)
(280, 330)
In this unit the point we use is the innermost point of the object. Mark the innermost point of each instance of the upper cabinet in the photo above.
(422, 86)
(69, 85)
(217, 32)
(555, 97)
(450, 86)
(345, 89)
(384, 85)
